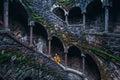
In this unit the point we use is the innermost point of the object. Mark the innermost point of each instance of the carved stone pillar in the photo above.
(66, 17)
(83, 62)
(6, 16)
(106, 18)
(84, 20)
(49, 45)
(66, 53)
(106, 5)
(31, 24)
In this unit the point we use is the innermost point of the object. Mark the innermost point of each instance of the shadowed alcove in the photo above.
(95, 16)
(59, 12)
(74, 58)
(75, 16)
(114, 25)
(40, 38)
(57, 47)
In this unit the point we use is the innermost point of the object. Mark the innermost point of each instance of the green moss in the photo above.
(25, 60)
(98, 51)
(30, 8)
(66, 3)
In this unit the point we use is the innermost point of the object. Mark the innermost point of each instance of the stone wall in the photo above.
(106, 41)
(50, 70)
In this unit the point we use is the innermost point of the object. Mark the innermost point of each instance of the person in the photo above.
(57, 58)
(40, 45)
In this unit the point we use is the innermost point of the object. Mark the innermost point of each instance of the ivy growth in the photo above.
(107, 55)
(66, 3)
(69, 39)
(24, 60)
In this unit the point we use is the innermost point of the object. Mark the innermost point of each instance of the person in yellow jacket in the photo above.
(57, 58)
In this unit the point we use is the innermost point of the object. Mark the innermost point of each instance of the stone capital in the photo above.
(66, 50)
(31, 23)
(82, 55)
(49, 37)
(107, 3)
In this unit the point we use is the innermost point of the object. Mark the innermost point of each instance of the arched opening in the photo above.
(1, 14)
(40, 38)
(57, 47)
(18, 21)
(74, 58)
(18, 12)
(59, 12)
(91, 69)
(115, 17)
(95, 16)
(75, 61)
(27, 78)
(75, 16)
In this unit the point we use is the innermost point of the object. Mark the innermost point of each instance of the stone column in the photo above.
(6, 10)
(84, 20)
(31, 24)
(106, 18)
(66, 17)
(83, 62)
(49, 45)
(66, 52)
(106, 5)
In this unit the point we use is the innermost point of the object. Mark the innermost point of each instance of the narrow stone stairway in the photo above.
(10, 43)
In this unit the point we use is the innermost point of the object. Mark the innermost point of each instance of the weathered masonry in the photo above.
(84, 33)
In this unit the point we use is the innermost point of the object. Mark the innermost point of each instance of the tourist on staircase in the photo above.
(57, 58)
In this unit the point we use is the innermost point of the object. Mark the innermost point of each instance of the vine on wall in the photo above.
(66, 3)
(9, 56)
(66, 37)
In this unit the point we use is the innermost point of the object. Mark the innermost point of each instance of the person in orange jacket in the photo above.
(57, 58)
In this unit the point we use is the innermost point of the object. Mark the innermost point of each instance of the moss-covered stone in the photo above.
(66, 3)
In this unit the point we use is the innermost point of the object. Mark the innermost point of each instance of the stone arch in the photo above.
(39, 29)
(59, 12)
(95, 15)
(18, 18)
(18, 11)
(115, 16)
(91, 68)
(94, 9)
(27, 78)
(57, 46)
(26, 9)
(75, 15)
(40, 36)
(74, 58)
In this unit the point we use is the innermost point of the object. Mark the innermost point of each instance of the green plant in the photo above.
(26, 61)
(98, 51)
(66, 3)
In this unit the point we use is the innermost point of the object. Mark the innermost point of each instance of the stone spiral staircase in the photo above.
(33, 63)
(43, 10)
(8, 41)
